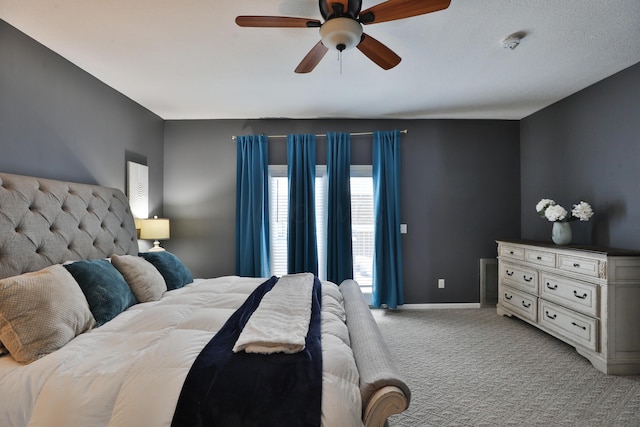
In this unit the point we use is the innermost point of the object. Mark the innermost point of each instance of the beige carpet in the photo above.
(471, 367)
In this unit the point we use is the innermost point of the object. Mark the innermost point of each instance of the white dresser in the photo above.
(588, 297)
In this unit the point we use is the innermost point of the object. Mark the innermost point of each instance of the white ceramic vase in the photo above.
(561, 233)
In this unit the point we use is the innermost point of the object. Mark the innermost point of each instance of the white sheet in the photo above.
(129, 372)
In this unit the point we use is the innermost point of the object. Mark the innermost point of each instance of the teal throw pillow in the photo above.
(175, 274)
(104, 287)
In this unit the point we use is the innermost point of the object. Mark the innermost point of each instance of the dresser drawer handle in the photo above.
(553, 288)
(509, 273)
(539, 258)
(527, 280)
(584, 328)
(508, 297)
(525, 305)
(576, 265)
(550, 316)
(575, 294)
(511, 252)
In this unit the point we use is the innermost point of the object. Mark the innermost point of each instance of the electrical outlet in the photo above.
(440, 283)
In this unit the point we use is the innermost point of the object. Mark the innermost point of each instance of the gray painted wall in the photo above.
(587, 147)
(460, 192)
(59, 122)
(465, 183)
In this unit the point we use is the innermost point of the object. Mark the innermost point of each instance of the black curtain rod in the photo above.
(324, 134)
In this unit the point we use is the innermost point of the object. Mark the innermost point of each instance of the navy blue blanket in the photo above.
(246, 389)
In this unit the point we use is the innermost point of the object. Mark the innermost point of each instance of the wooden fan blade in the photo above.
(378, 53)
(399, 9)
(312, 59)
(276, 21)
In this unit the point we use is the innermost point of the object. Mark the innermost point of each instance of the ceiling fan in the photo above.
(342, 27)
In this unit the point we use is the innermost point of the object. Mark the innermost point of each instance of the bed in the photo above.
(119, 355)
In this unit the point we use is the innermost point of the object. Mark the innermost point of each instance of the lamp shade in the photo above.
(155, 229)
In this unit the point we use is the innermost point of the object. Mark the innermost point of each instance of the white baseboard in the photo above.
(438, 306)
(367, 297)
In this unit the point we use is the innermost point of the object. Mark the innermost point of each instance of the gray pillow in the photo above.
(145, 281)
(40, 312)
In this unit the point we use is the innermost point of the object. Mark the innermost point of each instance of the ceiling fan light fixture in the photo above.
(341, 33)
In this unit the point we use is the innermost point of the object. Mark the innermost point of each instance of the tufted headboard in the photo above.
(45, 222)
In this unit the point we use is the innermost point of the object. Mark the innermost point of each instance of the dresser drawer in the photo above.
(545, 258)
(513, 252)
(573, 294)
(586, 266)
(521, 303)
(581, 329)
(519, 277)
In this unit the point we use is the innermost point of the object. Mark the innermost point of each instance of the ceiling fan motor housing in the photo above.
(341, 33)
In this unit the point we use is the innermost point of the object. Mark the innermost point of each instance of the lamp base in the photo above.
(156, 247)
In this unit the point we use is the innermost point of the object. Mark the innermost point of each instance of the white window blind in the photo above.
(278, 208)
(321, 219)
(362, 222)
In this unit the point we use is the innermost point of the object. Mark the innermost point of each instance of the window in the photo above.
(278, 208)
(362, 225)
(361, 213)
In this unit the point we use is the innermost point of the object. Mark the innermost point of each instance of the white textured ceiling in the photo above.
(187, 59)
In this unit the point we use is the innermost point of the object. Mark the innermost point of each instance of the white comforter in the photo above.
(130, 371)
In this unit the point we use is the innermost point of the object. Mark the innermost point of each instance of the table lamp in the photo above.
(155, 229)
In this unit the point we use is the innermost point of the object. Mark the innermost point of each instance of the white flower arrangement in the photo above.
(553, 212)
(582, 211)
